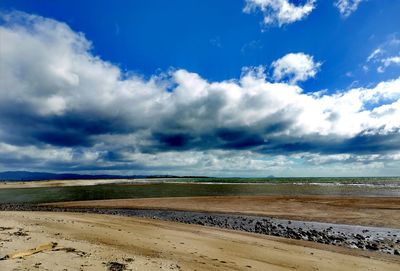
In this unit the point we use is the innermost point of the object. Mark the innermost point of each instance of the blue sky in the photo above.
(216, 38)
(328, 51)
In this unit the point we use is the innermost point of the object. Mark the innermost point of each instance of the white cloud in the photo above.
(77, 109)
(44, 153)
(100, 88)
(391, 60)
(374, 54)
(296, 67)
(386, 62)
(347, 7)
(385, 55)
(280, 12)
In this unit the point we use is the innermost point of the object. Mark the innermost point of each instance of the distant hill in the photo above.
(35, 176)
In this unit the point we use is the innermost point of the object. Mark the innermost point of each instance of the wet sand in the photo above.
(366, 211)
(90, 242)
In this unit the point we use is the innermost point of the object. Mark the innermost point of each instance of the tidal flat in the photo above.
(54, 191)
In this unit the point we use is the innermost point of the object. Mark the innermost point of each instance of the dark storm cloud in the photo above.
(22, 125)
(366, 143)
(360, 144)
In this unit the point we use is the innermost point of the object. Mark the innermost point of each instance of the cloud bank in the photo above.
(61, 107)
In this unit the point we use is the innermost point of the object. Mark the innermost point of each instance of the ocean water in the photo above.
(384, 187)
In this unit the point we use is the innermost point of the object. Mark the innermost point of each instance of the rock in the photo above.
(116, 266)
(359, 237)
(372, 246)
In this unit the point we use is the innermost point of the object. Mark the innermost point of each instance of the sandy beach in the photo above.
(96, 242)
(108, 242)
(367, 211)
(61, 183)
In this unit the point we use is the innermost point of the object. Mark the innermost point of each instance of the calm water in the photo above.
(302, 180)
(374, 187)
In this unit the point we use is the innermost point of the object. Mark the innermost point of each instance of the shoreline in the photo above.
(385, 240)
(388, 183)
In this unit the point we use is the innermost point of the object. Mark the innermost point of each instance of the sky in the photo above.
(217, 88)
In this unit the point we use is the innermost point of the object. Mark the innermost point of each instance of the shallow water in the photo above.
(165, 189)
(378, 181)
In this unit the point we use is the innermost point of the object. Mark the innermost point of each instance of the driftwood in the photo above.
(29, 252)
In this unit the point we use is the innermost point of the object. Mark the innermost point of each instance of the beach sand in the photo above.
(61, 183)
(91, 241)
(366, 211)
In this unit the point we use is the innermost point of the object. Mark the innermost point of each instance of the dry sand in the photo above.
(89, 241)
(367, 211)
(62, 183)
